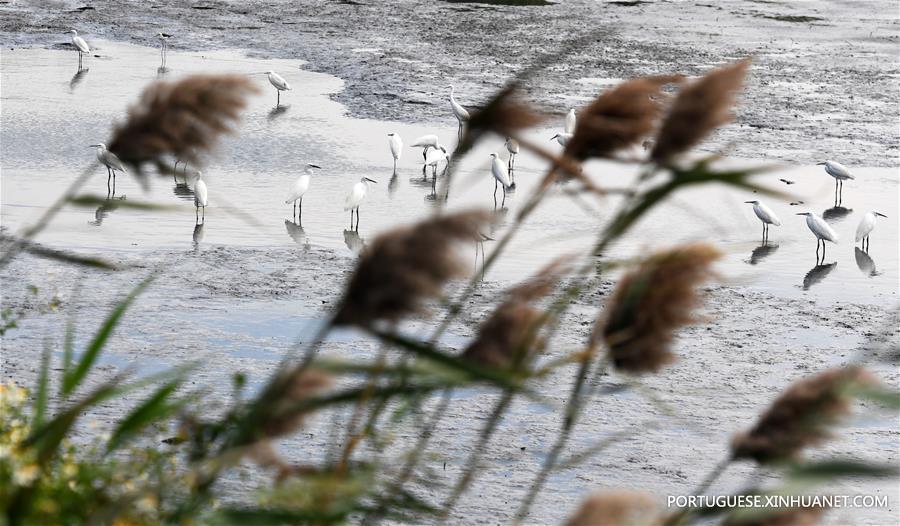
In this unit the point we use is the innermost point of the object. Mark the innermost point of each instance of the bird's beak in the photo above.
(749, 202)
(93, 145)
(555, 136)
(819, 164)
(315, 166)
(880, 214)
(801, 213)
(371, 180)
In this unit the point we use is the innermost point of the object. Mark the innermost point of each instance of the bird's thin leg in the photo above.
(295, 209)
(503, 203)
(278, 99)
(204, 214)
(108, 179)
(196, 214)
(114, 182)
(301, 207)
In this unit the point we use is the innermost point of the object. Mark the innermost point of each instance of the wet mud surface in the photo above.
(825, 81)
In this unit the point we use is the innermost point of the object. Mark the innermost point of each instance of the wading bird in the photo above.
(301, 185)
(570, 121)
(396, 144)
(461, 114)
(280, 85)
(434, 158)
(426, 142)
(501, 176)
(840, 174)
(80, 45)
(163, 45)
(512, 146)
(562, 138)
(200, 197)
(865, 228)
(821, 230)
(112, 164)
(355, 198)
(766, 215)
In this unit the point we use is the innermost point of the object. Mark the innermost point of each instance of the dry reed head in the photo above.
(800, 417)
(504, 115)
(510, 332)
(404, 267)
(618, 118)
(788, 517)
(618, 508)
(285, 416)
(700, 108)
(650, 303)
(180, 119)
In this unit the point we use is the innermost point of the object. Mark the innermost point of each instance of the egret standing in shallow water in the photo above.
(280, 85)
(112, 164)
(570, 121)
(512, 146)
(80, 45)
(200, 197)
(163, 47)
(821, 230)
(865, 228)
(301, 185)
(840, 174)
(562, 138)
(434, 158)
(426, 142)
(396, 144)
(461, 114)
(501, 176)
(355, 198)
(766, 215)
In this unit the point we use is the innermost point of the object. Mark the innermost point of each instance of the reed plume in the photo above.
(509, 335)
(619, 118)
(700, 108)
(800, 417)
(404, 267)
(180, 119)
(616, 508)
(650, 303)
(504, 115)
(284, 417)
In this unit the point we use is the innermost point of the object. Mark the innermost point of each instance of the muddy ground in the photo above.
(825, 81)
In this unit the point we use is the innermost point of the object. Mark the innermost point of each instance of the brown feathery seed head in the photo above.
(510, 333)
(285, 417)
(788, 517)
(404, 267)
(504, 115)
(800, 417)
(699, 108)
(181, 119)
(618, 118)
(650, 303)
(617, 508)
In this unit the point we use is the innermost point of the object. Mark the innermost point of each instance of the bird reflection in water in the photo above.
(78, 78)
(111, 203)
(864, 262)
(817, 274)
(198, 235)
(277, 111)
(836, 214)
(353, 241)
(295, 230)
(762, 252)
(392, 184)
(161, 72)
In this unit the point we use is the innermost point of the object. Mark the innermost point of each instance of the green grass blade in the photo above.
(40, 399)
(155, 408)
(74, 378)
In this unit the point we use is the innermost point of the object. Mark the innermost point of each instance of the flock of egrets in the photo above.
(433, 154)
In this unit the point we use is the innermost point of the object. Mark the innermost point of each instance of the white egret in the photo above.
(426, 142)
(766, 215)
(301, 185)
(498, 170)
(200, 196)
(570, 121)
(461, 114)
(355, 198)
(821, 230)
(111, 162)
(396, 144)
(512, 146)
(866, 226)
(434, 158)
(80, 45)
(840, 173)
(562, 138)
(280, 84)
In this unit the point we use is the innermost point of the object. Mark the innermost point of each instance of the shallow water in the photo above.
(51, 113)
